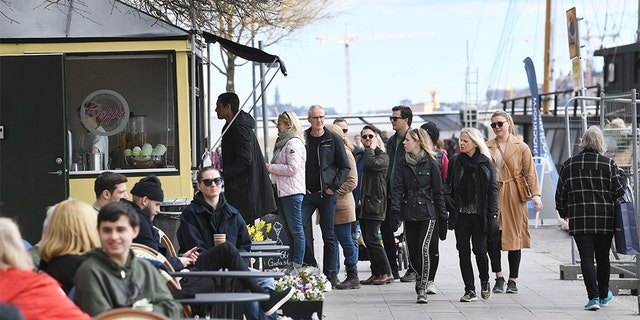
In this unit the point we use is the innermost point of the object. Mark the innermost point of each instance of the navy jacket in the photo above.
(197, 225)
(151, 238)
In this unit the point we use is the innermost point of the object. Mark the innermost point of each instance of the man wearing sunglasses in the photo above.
(247, 184)
(400, 118)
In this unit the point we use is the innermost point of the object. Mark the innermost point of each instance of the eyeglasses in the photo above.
(367, 136)
(317, 118)
(209, 182)
(497, 123)
(396, 118)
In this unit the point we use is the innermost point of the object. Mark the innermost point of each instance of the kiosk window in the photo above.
(121, 111)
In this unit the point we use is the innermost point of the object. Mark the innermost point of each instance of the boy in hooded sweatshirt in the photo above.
(113, 277)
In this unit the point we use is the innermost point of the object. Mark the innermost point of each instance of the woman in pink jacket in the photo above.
(287, 173)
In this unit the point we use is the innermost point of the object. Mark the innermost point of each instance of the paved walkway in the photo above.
(542, 295)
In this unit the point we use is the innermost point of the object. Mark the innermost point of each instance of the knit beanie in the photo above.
(149, 187)
(432, 130)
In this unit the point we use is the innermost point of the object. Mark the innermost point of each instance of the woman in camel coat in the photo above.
(344, 218)
(511, 156)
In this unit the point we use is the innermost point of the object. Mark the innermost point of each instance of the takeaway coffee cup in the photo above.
(219, 238)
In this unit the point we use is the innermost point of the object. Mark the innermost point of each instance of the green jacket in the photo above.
(373, 185)
(102, 285)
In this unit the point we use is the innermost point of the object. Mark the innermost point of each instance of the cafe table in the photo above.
(269, 247)
(225, 299)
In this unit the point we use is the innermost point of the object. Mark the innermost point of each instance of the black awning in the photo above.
(245, 52)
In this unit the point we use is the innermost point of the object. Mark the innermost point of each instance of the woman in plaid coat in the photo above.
(588, 187)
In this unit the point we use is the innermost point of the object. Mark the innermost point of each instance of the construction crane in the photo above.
(348, 38)
(434, 104)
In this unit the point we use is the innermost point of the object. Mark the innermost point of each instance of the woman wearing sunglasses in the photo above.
(210, 213)
(417, 197)
(511, 157)
(287, 173)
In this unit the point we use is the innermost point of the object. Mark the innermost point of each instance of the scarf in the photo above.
(467, 193)
(283, 138)
(415, 159)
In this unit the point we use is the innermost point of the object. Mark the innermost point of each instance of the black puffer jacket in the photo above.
(417, 192)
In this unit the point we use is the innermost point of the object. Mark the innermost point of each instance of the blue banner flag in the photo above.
(540, 148)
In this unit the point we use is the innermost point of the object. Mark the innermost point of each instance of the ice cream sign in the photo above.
(104, 112)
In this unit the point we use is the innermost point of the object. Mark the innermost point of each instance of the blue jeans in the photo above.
(326, 205)
(252, 310)
(291, 207)
(345, 238)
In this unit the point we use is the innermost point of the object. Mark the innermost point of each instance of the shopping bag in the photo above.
(625, 227)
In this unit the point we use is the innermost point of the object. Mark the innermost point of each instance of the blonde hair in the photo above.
(504, 114)
(477, 138)
(422, 137)
(290, 119)
(12, 251)
(337, 130)
(72, 230)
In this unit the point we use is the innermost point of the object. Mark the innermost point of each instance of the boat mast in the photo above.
(547, 57)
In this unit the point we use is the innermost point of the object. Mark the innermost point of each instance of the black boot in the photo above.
(333, 279)
(352, 281)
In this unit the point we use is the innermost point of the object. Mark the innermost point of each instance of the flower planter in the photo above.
(302, 310)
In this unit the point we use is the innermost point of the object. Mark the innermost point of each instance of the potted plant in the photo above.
(308, 296)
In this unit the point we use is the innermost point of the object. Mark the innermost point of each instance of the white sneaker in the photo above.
(311, 270)
(431, 288)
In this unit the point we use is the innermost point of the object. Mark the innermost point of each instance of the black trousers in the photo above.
(375, 251)
(470, 232)
(596, 281)
(419, 235)
(494, 244)
(389, 241)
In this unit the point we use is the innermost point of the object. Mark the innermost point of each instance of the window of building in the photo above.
(121, 112)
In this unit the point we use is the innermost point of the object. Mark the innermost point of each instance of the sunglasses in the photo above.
(209, 182)
(497, 123)
(396, 118)
(345, 130)
(367, 136)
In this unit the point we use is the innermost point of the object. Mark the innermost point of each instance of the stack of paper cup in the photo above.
(219, 238)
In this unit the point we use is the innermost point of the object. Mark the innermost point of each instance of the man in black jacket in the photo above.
(326, 169)
(401, 118)
(247, 184)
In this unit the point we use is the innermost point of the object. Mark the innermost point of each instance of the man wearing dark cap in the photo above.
(147, 197)
(434, 255)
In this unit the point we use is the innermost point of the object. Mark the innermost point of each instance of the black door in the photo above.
(33, 173)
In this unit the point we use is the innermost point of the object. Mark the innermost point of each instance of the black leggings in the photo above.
(495, 251)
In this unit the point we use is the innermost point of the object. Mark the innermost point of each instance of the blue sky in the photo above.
(492, 37)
